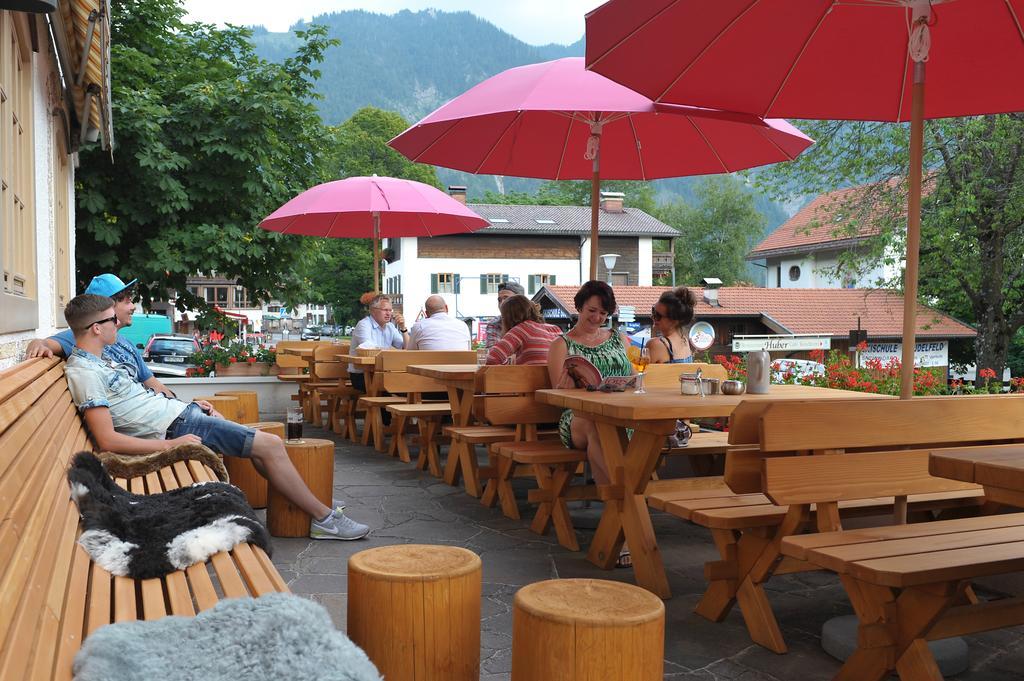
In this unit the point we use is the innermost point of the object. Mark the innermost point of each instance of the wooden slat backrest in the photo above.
(292, 362)
(743, 460)
(329, 351)
(505, 396)
(816, 479)
(399, 360)
(331, 370)
(842, 424)
(392, 368)
(667, 375)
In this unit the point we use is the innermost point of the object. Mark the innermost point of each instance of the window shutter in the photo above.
(433, 283)
(458, 283)
(483, 284)
(551, 280)
(532, 288)
(504, 277)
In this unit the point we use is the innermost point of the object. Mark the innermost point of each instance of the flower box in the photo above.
(247, 369)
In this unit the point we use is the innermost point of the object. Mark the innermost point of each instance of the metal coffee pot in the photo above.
(759, 371)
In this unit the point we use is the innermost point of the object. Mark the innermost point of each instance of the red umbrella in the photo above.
(373, 207)
(829, 59)
(557, 121)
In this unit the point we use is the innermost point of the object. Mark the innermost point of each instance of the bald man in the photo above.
(438, 331)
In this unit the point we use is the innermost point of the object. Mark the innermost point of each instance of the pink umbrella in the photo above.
(557, 121)
(830, 59)
(373, 207)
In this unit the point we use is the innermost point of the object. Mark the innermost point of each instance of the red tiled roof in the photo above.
(829, 311)
(813, 224)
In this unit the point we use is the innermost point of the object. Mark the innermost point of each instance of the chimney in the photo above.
(457, 192)
(611, 202)
(711, 286)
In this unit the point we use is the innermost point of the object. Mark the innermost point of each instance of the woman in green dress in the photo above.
(605, 349)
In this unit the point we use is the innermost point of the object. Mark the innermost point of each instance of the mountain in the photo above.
(412, 62)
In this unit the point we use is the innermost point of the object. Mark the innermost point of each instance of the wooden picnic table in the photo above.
(997, 468)
(631, 461)
(460, 379)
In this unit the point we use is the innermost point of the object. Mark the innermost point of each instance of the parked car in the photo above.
(329, 330)
(169, 349)
(311, 333)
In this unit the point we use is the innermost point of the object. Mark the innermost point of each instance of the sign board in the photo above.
(627, 313)
(926, 353)
(780, 343)
(702, 336)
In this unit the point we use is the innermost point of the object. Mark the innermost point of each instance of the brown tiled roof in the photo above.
(798, 310)
(814, 225)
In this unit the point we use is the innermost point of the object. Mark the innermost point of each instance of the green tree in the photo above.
(715, 235)
(342, 269)
(209, 140)
(972, 231)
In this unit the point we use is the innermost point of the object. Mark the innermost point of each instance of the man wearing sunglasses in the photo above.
(125, 418)
(122, 351)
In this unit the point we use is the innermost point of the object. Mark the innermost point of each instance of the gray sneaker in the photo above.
(338, 526)
(338, 504)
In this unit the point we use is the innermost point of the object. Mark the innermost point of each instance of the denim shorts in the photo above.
(220, 435)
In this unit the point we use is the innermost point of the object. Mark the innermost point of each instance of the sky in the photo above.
(537, 22)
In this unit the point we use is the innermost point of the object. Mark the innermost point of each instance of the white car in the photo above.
(800, 368)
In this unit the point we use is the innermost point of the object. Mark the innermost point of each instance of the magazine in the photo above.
(585, 375)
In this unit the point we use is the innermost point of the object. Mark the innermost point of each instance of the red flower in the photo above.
(209, 362)
(232, 360)
(862, 346)
(251, 360)
(987, 373)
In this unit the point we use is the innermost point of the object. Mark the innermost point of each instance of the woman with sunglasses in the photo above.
(671, 317)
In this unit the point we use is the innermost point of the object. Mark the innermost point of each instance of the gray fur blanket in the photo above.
(150, 535)
(275, 637)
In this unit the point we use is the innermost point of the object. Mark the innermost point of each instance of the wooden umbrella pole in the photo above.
(376, 253)
(910, 274)
(595, 208)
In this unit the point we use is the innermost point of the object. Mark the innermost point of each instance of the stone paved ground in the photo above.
(404, 505)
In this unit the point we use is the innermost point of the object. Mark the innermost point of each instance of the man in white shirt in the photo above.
(382, 328)
(438, 331)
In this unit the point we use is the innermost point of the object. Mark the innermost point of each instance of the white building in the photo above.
(44, 117)
(532, 245)
(804, 251)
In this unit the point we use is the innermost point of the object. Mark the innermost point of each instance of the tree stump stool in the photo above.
(227, 405)
(248, 404)
(576, 629)
(314, 459)
(243, 473)
(415, 610)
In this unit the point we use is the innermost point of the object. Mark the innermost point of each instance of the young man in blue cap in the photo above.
(121, 352)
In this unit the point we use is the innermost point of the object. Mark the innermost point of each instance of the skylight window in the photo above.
(495, 221)
(544, 222)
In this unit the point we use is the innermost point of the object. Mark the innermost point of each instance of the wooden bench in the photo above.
(747, 527)
(391, 376)
(499, 389)
(507, 399)
(908, 583)
(51, 594)
(292, 369)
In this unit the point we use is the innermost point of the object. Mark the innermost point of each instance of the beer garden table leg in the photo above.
(628, 517)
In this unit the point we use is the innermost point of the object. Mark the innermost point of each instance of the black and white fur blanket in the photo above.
(145, 536)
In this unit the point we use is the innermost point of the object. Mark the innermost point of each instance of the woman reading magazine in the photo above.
(606, 350)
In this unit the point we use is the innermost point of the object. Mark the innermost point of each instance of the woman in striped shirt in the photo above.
(525, 337)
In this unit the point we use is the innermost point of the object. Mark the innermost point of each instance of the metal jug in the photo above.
(759, 368)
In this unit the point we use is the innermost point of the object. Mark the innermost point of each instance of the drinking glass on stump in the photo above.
(293, 427)
(641, 365)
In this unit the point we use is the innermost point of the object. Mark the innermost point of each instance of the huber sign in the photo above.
(780, 343)
(926, 353)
